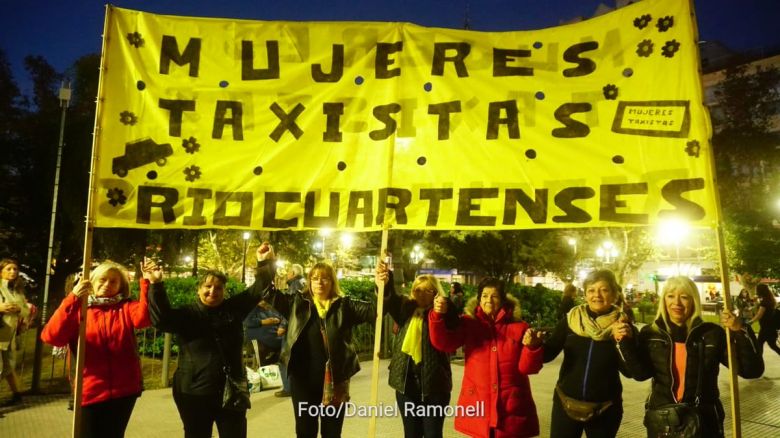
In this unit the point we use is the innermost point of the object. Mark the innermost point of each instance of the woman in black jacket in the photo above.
(765, 315)
(589, 372)
(211, 338)
(318, 350)
(681, 353)
(419, 373)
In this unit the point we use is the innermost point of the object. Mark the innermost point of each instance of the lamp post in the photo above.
(65, 94)
(673, 231)
(607, 252)
(416, 255)
(246, 237)
(573, 243)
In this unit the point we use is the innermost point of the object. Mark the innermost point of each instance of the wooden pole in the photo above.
(736, 420)
(89, 227)
(380, 298)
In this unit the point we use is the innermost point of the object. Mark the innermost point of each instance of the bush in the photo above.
(539, 305)
(184, 290)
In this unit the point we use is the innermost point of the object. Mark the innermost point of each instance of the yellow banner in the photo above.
(215, 123)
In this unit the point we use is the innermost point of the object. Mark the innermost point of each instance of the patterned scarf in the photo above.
(413, 339)
(94, 301)
(598, 329)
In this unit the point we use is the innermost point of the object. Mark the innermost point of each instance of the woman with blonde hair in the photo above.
(681, 353)
(13, 309)
(318, 349)
(112, 369)
(419, 373)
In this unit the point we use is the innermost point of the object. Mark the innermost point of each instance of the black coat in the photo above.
(650, 356)
(207, 334)
(589, 371)
(434, 369)
(344, 313)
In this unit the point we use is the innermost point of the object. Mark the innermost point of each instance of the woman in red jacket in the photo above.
(501, 350)
(112, 369)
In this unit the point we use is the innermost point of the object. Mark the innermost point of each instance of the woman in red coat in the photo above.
(112, 369)
(501, 350)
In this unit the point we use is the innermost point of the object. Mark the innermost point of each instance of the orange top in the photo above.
(680, 361)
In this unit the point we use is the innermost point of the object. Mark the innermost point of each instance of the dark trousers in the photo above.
(770, 337)
(605, 425)
(306, 391)
(421, 426)
(107, 419)
(200, 412)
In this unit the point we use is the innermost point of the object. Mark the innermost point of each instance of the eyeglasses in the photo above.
(320, 280)
(427, 291)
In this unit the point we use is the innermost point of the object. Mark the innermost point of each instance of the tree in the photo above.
(746, 151)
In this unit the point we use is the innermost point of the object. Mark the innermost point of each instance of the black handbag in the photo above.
(677, 420)
(235, 395)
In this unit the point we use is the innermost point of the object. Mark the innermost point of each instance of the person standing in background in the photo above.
(13, 309)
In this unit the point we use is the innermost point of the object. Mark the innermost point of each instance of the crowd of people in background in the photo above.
(307, 330)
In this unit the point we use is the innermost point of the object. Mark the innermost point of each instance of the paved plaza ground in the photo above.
(155, 414)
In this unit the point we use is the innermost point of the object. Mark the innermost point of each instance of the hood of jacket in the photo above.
(511, 307)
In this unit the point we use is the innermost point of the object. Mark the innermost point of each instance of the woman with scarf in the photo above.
(419, 373)
(13, 309)
(112, 369)
(682, 354)
(318, 349)
(588, 394)
(501, 351)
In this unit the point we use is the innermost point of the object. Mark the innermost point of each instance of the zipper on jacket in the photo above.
(587, 368)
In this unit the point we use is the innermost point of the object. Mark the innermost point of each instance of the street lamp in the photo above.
(573, 243)
(673, 231)
(417, 254)
(246, 237)
(607, 252)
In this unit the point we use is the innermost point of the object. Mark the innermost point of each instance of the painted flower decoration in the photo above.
(610, 91)
(643, 21)
(116, 196)
(645, 48)
(128, 118)
(665, 23)
(135, 40)
(670, 48)
(190, 145)
(692, 148)
(191, 173)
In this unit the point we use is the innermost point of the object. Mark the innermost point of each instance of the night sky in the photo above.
(62, 31)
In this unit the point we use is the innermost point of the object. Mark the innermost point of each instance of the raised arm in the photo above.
(553, 345)
(139, 310)
(394, 304)
(63, 327)
(444, 338)
(532, 354)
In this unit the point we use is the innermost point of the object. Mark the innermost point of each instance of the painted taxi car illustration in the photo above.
(139, 153)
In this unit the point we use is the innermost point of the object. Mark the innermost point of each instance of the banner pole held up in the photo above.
(89, 227)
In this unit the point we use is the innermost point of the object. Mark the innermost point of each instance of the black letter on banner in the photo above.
(404, 198)
(609, 203)
(443, 110)
(248, 71)
(269, 209)
(331, 220)
(495, 119)
(145, 204)
(502, 56)
(585, 66)
(383, 61)
(564, 199)
(286, 121)
(169, 51)
(573, 127)
(536, 208)
(197, 195)
(466, 206)
(672, 192)
(435, 196)
(333, 111)
(235, 119)
(336, 69)
(354, 209)
(244, 217)
(176, 107)
(382, 113)
(439, 57)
